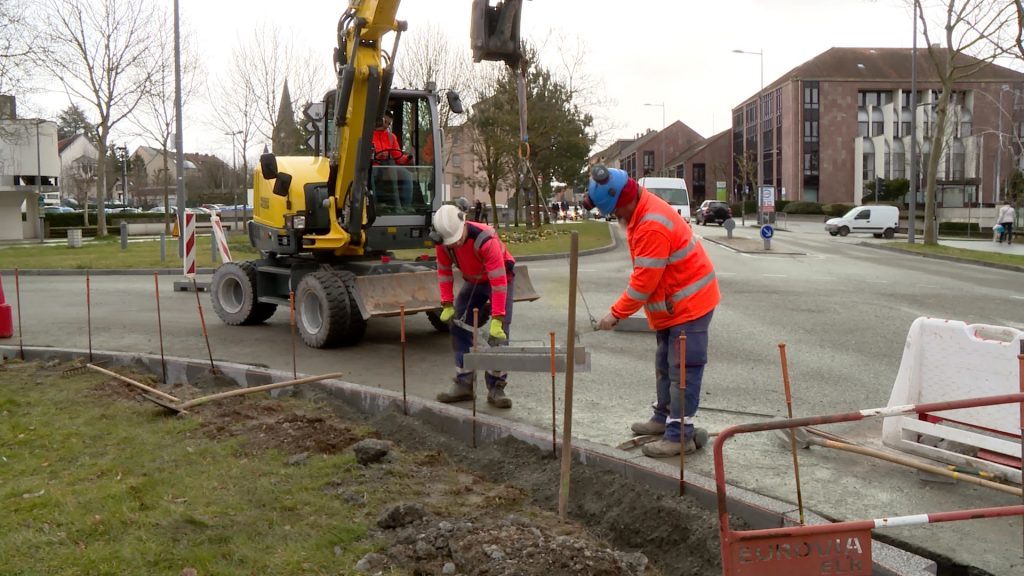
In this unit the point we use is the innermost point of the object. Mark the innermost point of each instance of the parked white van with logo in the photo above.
(878, 220)
(671, 190)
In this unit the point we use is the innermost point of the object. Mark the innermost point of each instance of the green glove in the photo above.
(447, 312)
(497, 332)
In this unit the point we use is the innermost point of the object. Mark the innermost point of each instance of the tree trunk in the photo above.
(931, 233)
(101, 190)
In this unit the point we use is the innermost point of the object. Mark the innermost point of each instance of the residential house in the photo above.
(78, 158)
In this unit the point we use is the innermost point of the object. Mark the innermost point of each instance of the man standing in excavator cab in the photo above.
(674, 281)
(387, 157)
(488, 270)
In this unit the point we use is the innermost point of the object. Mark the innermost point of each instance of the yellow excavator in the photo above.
(326, 225)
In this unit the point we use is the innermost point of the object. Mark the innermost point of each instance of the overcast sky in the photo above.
(672, 52)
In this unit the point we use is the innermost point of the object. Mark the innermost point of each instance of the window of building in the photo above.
(868, 173)
(887, 169)
(966, 123)
(457, 181)
(648, 161)
(877, 122)
(955, 161)
(906, 118)
(456, 160)
(810, 163)
(810, 130)
(811, 95)
(899, 159)
(862, 123)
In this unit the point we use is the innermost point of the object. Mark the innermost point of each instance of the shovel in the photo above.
(183, 407)
(806, 439)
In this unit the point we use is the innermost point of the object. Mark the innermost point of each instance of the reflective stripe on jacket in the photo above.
(673, 278)
(481, 258)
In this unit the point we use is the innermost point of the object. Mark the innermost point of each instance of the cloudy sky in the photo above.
(674, 54)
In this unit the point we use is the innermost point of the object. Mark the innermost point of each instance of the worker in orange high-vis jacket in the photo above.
(673, 280)
(488, 270)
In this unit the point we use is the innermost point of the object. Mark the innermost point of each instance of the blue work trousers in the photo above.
(666, 365)
(478, 296)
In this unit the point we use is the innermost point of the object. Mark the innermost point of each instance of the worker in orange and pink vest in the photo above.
(488, 271)
(674, 281)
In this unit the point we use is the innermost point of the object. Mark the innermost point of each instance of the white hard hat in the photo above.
(450, 222)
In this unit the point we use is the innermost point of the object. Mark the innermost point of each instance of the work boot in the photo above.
(459, 392)
(666, 448)
(649, 427)
(496, 397)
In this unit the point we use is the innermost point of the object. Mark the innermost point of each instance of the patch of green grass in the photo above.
(976, 255)
(106, 253)
(93, 483)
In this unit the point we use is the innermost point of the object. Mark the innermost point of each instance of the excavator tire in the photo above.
(326, 311)
(233, 292)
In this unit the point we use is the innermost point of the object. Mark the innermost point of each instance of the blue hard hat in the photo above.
(604, 188)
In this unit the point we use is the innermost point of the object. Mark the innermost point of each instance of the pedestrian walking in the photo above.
(1005, 218)
(673, 280)
(488, 270)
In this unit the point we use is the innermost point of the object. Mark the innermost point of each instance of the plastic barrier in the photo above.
(840, 547)
(952, 360)
(190, 245)
(221, 239)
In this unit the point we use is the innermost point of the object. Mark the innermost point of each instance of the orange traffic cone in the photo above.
(6, 321)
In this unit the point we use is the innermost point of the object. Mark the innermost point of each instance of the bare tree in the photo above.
(429, 55)
(98, 49)
(235, 111)
(17, 44)
(155, 116)
(262, 65)
(973, 31)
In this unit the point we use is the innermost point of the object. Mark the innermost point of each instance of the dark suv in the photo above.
(713, 211)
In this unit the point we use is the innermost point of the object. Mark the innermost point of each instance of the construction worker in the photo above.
(674, 281)
(488, 271)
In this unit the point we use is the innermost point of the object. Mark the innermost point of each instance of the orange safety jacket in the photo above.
(386, 147)
(482, 258)
(673, 278)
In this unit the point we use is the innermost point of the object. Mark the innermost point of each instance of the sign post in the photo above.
(765, 204)
(766, 233)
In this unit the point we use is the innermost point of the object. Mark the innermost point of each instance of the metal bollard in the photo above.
(124, 235)
(163, 247)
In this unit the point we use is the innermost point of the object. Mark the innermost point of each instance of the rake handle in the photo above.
(240, 391)
(149, 389)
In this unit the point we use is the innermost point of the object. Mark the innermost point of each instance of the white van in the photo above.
(671, 190)
(878, 220)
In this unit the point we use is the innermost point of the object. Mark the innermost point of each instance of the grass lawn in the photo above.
(966, 254)
(107, 253)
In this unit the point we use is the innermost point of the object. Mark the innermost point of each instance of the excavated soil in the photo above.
(472, 521)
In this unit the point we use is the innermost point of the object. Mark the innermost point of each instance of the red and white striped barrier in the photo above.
(221, 239)
(190, 245)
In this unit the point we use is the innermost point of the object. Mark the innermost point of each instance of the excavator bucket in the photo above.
(385, 294)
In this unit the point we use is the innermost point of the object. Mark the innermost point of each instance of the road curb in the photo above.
(957, 259)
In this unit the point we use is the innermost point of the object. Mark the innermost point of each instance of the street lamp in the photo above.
(999, 147)
(912, 213)
(234, 190)
(757, 102)
(662, 136)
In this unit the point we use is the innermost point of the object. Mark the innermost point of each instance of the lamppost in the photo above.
(662, 135)
(757, 102)
(912, 214)
(122, 153)
(39, 183)
(999, 147)
(234, 189)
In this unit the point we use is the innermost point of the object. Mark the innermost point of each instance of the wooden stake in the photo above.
(472, 381)
(21, 334)
(570, 360)
(160, 326)
(291, 321)
(202, 321)
(554, 426)
(682, 414)
(792, 432)
(401, 323)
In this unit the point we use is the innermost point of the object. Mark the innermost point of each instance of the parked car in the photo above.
(713, 211)
(878, 220)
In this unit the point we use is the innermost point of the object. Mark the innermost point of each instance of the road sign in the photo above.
(314, 111)
(767, 199)
(767, 232)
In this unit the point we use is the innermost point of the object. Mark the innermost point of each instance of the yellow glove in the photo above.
(447, 312)
(497, 331)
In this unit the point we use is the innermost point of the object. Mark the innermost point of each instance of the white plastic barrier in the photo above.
(950, 360)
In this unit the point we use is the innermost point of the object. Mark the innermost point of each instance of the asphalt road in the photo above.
(842, 310)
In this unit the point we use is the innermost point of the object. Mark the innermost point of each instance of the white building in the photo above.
(29, 167)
